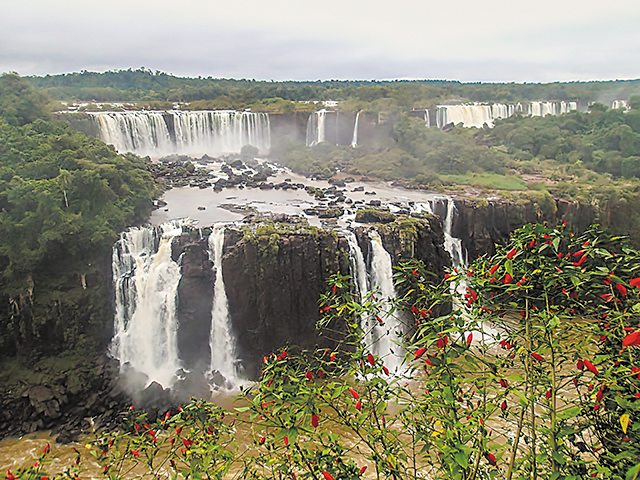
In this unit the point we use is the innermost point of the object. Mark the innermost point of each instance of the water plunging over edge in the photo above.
(221, 339)
(146, 282)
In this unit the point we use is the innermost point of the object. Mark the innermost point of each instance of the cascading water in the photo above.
(316, 127)
(221, 340)
(197, 132)
(452, 244)
(358, 266)
(354, 139)
(427, 121)
(146, 281)
(477, 115)
(382, 338)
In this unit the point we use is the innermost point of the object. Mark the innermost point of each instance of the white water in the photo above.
(316, 130)
(221, 338)
(358, 266)
(619, 104)
(477, 115)
(383, 340)
(146, 282)
(354, 139)
(198, 132)
(427, 121)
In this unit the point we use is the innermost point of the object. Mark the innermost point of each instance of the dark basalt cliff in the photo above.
(480, 223)
(273, 281)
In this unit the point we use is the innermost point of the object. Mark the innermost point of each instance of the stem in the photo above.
(514, 450)
(554, 419)
(531, 392)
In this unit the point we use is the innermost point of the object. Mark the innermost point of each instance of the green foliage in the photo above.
(530, 374)
(19, 102)
(64, 198)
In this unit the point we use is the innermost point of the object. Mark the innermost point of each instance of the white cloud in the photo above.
(493, 40)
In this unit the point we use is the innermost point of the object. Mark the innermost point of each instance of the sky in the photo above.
(466, 40)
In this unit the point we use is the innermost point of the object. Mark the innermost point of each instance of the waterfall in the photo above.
(221, 337)
(427, 121)
(316, 127)
(146, 281)
(452, 244)
(619, 104)
(354, 140)
(197, 132)
(358, 266)
(382, 337)
(476, 115)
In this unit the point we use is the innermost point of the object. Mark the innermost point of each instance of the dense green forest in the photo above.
(157, 88)
(64, 198)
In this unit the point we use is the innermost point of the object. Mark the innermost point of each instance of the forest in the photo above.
(64, 199)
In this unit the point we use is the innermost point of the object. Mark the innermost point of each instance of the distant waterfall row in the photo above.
(199, 132)
(320, 129)
(477, 115)
(146, 280)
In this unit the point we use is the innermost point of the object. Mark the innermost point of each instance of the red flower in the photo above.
(327, 475)
(332, 357)
(135, 453)
(47, 449)
(578, 253)
(507, 278)
(359, 405)
(309, 375)
(354, 394)
(580, 365)
(532, 243)
(621, 288)
(503, 405)
(10, 476)
(262, 440)
(314, 420)
(428, 362)
(591, 367)
(548, 394)
(470, 338)
(511, 254)
(493, 269)
(635, 282)
(385, 370)
(491, 458)
(440, 343)
(286, 441)
(371, 359)
(504, 383)
(537, 356)
(362, 470)
(423, 314)
(419, 352)
(414, 272)
(606, 297)
(559, 254)
(631, 339)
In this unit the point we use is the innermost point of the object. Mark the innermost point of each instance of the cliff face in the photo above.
(273, 282)
(482, 223)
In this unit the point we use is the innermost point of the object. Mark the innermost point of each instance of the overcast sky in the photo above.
(467, 40)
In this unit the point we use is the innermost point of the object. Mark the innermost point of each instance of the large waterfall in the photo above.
(198, 132)
(146, 282)
(477, 115)
(384, 338)
(316, 128)
(381, 331)
(221, 337)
